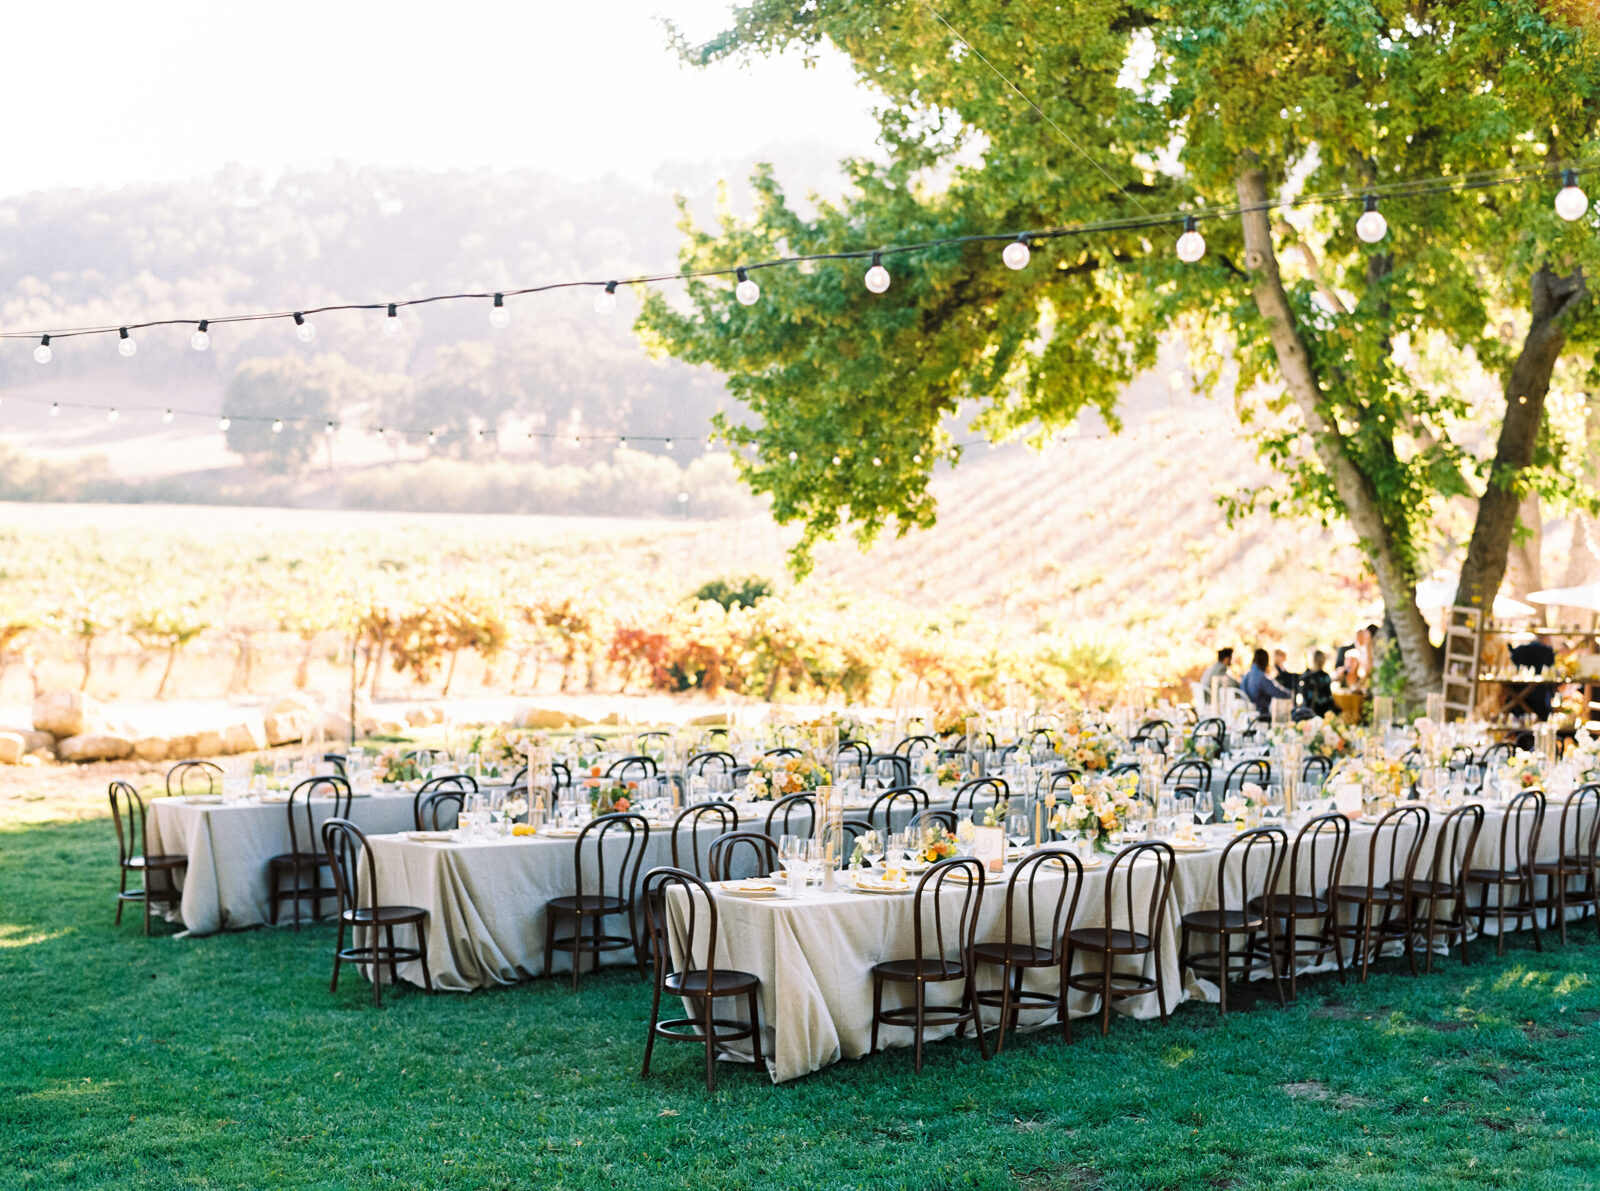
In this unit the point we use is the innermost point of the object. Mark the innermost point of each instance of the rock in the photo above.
(94, 746)
(247, 737)
(38, 742)
(715, 720)
(577, 721)
(207, 744)
(285, 727)
(542, 718)
(374, 726)
(180, 747)
(68, 713)
(152, 748)
(335, 727)
(298, 705)
(422, 717)
(11, 748)
(38, 758)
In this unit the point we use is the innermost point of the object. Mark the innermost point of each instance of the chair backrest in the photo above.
(634, 831)
(457, 783)
(1189, 774)
(911, 743)
(1322, 767)
(1061, 779)
(1049, 914)
(1459, 757)
(682, 936)
(1496, 754)
(1397, 841)
(337, 761)
(439, 811)
(892, 768)
(783, 751)
(945, 819)
(1454, 844)
(1128, 910)
(1211, 728)
(979, 794)
(1317, 858)
(561, 774)
(183, 771)
(1157, 731)
(854, 829)
(1519, 831)
(913, 797)
(692, 820)
(636, 767)
(1255, 770)
(1125, 767)
(859, 752)
(302, 824)
(725, 849)
(696, 765)
(344, 845)
(961, 875)
(1034, 736)
(1579, 823)
(127, 814)
(1251, 863)
(786, 809)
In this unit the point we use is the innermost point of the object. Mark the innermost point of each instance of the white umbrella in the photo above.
(1585, 595)
(1441, 593)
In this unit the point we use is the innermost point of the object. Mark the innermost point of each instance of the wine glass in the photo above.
(1017, 830)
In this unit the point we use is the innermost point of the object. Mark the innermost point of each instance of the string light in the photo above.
(277, 425)
(877, 277)
(201, 339)
(392, 325)
(747, 291)
(328, 430)
(1571, 202)
(42, 353)
(669, 444)
(1372, 226)
(223, 423)
(125, 345)
(166, 417)
(499, 316)
(55, 408)
(606, 301)
(432, 438)
(303, 331)
(1017, 253)
(111, 414)
(1191, 245)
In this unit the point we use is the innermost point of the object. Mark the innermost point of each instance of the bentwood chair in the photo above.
(907, 799)
(1209, 735)
(1190, 774)
(459, 784)
(304, 858)
(1577, 833)
(1257, 858)
(789, 812)
(439, 811)
(1495, 755)
(945, 819)
(345, 846)
(629, 833)
(1132, 930)
(1392, 849)
(854, 752)
(184, 771)
(688, 826)
(1316, 770)
(1156, 732)
(626, 769)
(127, 815)
(1041, 903)
(695, 976)
(784, 751)
(725, 849)
(1445, 884)
(907, 747)
(696, 765)
(1256, 770)
(980, 794)
(1315, 864)
(947, 961)
(891, 769)
(1519, 845)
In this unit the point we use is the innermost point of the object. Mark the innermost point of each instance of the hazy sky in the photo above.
(104, 94)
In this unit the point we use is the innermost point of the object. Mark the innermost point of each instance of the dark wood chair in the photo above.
(1578, 833)
(439, 811)
(891, 768)
(1446, 882)
(950, 959)
(1191, 774)
(459, 784)
(1317, 769)
(1315, 864)
(859, 753)
(1393, 848)
(725, 849)
(1496, 754)
(784, 810)
(304, 858)
(696, 976)
(945, 819)
(980, 794)
(185, 771)
(1256, 770)
(1156, 732)
(1209, 734)
(908, 799)
(1134, 933)
(637, 768)
(1256, 857)
(1519, 845)
(692, 821)
(344, 847)
(696, 765)
(128, 816)
(784, 751)
(1037, 922)
(582, 907)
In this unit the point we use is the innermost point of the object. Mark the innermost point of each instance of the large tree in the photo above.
(1218, 109)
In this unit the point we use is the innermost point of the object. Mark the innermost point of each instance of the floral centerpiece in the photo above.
(1087, 745)
(1585, 753)
(777, 777)
(1324, 736)
(1525, 769)
(607, 795)
(505, 744)
(995, 816)
(1236, 807)
(937, 844)
(948, 773)
(391, 766)
(1098, 808)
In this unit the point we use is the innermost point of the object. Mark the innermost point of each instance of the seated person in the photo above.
(1281, 674)
(1259, 688)
(1316, 687)
(1219, 669)
(1536, 655)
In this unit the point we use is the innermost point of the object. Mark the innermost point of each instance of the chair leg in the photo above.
(147, 881)
(577, 950)
(755, 1029)
(377, 968)
(1105, 994)
(877, 1011)
(549, 940)
(122, 887)
(1525, 891)
(650, 1034)
(1222, 974)
(394, 964)
(422, 949)
(1364, 913)
(338, 946)
(969, 997)
(711, 1042)
(922, 1008)
(1066, 1021)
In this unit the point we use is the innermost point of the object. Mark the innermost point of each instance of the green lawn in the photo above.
(224, 1062)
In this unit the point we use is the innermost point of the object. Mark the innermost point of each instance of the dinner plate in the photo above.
(431, 837)
(881, 887)
(561, 832)
(203, 799)
(1192, 846)
(751, 889)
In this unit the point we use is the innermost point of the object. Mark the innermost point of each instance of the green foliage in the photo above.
(735, 593)
(290, 389)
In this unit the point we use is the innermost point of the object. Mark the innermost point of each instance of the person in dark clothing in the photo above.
(1281, 674)
(1259, 688)
(1316, 687)
(1536, 655)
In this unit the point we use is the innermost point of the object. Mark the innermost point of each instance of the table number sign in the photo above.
(989, 847)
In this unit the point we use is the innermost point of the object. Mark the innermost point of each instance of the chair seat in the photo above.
(588, 904)
(725, 983)
(1494, 876)
(384, 915)
(1024, 955)
(1427, 888)
(1301, 905)
(1380, 894)
(298, 860)
(149, 862)
(1092, 938)
(1214, 922)
(1571, 866)
(919, 969)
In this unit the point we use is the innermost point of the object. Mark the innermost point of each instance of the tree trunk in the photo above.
(1354, 489)
(1523, 572)
(1526, 388)
(88, 647)
(450, 673)
(172, 657)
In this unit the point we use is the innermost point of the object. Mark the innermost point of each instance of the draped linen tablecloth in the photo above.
(229, 844)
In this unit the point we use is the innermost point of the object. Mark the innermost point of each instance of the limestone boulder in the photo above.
(422, 717)
(207, 744)
(68, 713)
(248, 736)
(335, 726)
(716, 720)
(38, 742)
(285, 727)
(297, 704)
(12, 748)
(94, 746)
(542, 718)
(152, 748)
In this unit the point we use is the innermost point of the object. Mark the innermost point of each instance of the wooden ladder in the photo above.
(1463, 647)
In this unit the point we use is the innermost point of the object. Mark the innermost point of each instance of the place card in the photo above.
(989, 847)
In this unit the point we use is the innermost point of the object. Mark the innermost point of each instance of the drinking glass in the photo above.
(1017, 830)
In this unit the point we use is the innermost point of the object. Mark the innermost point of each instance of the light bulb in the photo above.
(1016, 254)
(55, 408)
(794, 456)
(606, 301)
(392, 325)
(432, 438)
(1191, 245)
(223, 423)
(277, 425)
(837, 461)
(328, 430)
(669, 444)
(747, 291)
(125, 345)
(683, 498)
(877, 278)
(42, 353)
(478, 434)
(917, 458)
(111, 414)
(499, 316)
(166, 417)
(201, 339)
(380, 432)
(1571, 202)
(1372, 226)
(303, 331)
(623, 441)
(876, 461)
